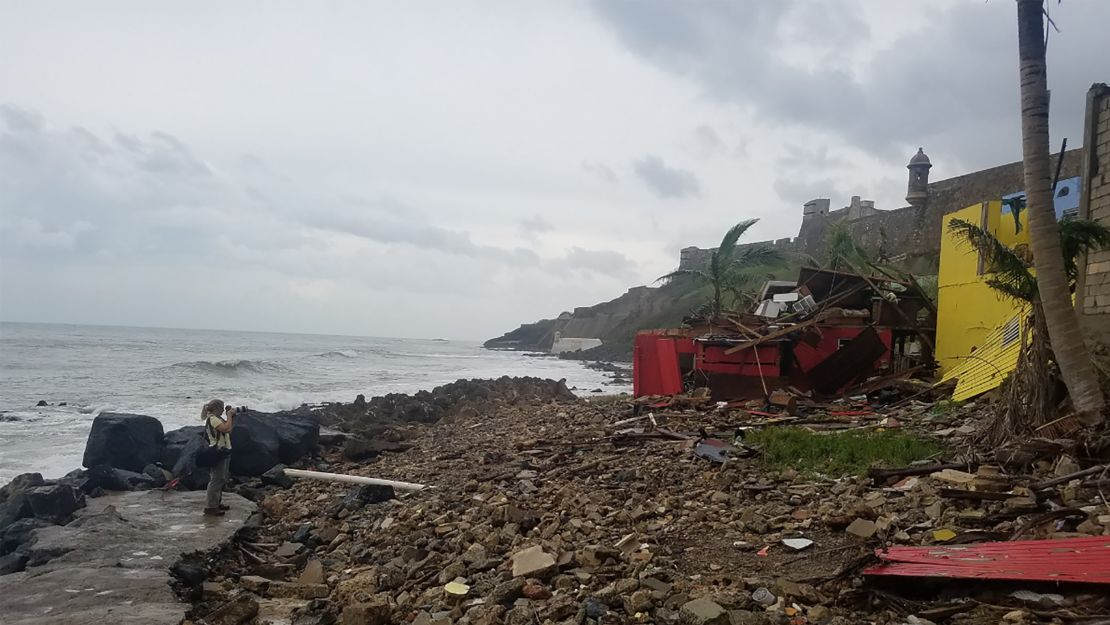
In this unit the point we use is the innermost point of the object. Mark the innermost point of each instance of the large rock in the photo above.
(123, 441)
(14, 509)
(260, 440)
(255, 446)
(12, 563)
(19, 533)
(298, 433)
(179, 455)
(111, 478)
(21, 484)
(55, 503)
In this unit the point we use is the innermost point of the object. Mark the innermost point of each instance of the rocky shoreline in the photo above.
(543, 507)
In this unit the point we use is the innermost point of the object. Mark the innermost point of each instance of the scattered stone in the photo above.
(368, 494)
(702, 612)
(235, 612)
(288, 549)
(276, 477)
(375, 612)
(535, 590)
(533, 562)
(506, 592)
(862, 528)
(312, 574)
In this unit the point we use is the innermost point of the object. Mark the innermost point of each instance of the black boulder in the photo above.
(111, 478)
(179, 455)
(276, 477)
(12, 563)
(14, 509)
(55, 503)
(123, 441)
(19, 533)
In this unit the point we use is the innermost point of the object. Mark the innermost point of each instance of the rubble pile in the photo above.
(555, 510)
(380, 414)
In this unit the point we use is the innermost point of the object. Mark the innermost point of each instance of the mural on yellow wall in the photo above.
(978, 331)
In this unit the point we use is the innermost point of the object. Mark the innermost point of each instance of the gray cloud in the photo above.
(798, 191)
(707, 143)
(601, 170)
(805, 158)
(664, 181)
(534, 225)
(603, 262)
(950, 84)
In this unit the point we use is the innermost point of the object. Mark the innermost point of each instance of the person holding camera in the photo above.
(218, 422)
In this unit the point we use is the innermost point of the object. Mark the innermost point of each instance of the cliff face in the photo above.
(614, 322)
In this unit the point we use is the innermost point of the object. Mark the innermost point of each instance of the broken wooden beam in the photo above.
(1064, 479)
(881, 475)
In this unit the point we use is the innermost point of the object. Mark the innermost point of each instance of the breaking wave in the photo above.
(341, 353)
(229, 367)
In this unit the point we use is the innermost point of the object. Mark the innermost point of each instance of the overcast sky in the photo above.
(454, 169)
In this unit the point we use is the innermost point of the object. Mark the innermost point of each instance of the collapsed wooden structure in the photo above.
(825, 332)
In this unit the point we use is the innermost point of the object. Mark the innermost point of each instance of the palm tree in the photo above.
(841, 249)
(1060, 317)
(1029, 400)
(1011, 269)
(726, 265)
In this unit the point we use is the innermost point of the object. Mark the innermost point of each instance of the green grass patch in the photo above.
(838, 453)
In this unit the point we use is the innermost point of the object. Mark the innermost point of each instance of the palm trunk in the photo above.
(1044, 235)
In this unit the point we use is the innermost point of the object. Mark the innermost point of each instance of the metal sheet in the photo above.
(1085, 560)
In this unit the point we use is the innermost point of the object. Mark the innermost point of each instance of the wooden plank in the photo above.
(781, 332)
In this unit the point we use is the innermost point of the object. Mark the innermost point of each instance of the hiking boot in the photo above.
(213, 512)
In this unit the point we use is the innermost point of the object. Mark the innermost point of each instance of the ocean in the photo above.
(168, 374)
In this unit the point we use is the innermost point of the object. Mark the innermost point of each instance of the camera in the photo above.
(238, 409)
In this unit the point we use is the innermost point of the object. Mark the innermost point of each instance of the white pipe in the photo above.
(352, 479)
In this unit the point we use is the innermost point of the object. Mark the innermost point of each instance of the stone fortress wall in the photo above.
(907, 236)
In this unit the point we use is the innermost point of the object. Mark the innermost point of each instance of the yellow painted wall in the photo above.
(970, 315)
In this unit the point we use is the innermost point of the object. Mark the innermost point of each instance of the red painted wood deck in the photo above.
(1084, 560)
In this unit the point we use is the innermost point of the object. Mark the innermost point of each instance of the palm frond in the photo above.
(997, 257)
(1011, 272)
(758, 256)
(1078, 236)
(679, 273)
(1017, 288)
(728, 242)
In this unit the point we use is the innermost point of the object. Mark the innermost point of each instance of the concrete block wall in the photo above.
(1095, 204)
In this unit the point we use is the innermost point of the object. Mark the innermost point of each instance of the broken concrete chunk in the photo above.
(235, 612)
(375, 612)
(702, 612)
(953, 476)
(862, 528)
(288, 550)
(533, 562)
(313, 573)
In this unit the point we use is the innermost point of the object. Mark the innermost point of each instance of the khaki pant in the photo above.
(216, 483)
